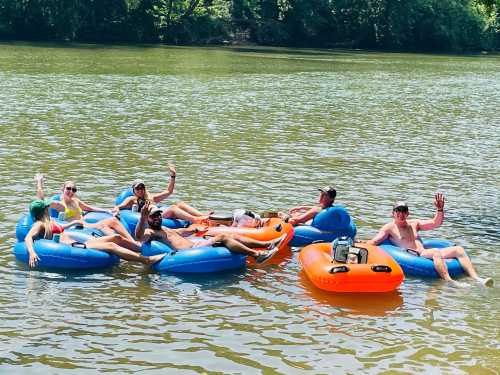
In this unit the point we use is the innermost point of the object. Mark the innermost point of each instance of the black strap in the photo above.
(413, 252)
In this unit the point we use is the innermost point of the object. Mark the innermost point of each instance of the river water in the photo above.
(262, 129)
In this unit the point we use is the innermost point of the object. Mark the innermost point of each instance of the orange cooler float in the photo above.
(375, 271)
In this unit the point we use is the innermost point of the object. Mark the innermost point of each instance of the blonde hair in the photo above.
(147, 196)
(69, 182)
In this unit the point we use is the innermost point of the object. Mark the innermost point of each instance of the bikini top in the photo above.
(72, 213)
(56, 228)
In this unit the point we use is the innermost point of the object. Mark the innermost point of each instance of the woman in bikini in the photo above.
(179, 210)
(45, 227)
(73, 209)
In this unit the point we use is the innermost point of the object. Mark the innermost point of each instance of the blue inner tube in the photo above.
(63, 256)
(327, 225)
(123, 195)
(130, 219)
(413, 265)
(25, 223)
(205, 259)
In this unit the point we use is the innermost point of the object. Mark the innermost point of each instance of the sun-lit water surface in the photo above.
(261, 129)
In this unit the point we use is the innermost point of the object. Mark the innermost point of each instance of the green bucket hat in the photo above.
(38, 206)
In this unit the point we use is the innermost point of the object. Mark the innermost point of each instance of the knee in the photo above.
(114, 220)
(221, 238)
(436, 255)
(460, 251)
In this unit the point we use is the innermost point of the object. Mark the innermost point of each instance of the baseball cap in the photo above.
(137, 183)
(330, 190)
(155, 210)
(400, 205)
(38, 206)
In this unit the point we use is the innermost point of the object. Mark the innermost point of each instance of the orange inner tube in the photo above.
(327, 274)
(272, 229)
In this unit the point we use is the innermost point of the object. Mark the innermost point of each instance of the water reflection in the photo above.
(371, 304)
(260, 130)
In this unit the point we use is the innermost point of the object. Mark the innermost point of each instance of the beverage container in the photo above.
(57, 237)
(135, 208)
(352, 258)
(61, 216)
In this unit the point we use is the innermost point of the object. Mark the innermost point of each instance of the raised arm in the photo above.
(170, 188)
(302, 218)
(438, 218)
(382, 235)
(140, 228)
(39, 186)
(40, 179)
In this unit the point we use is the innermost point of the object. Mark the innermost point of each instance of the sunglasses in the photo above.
(140, 187)
(73, 189)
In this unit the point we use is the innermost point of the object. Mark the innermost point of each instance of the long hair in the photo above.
(147, 196)
(47, 227)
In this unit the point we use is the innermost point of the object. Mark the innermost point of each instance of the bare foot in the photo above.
(155, 259)
(266, 255)
(458, 284)
(277, 242)
(200, 220)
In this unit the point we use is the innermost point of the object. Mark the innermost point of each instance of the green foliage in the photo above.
(433, 25)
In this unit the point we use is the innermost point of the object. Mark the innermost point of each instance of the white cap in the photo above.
(154, 210)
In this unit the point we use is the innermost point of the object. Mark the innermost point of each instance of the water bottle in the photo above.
(135, 208)
(57, 237)
(61, 216)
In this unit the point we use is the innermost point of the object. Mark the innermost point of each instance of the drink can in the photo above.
(135, 208)
(352, 258)
(57, 237)
(61, 216)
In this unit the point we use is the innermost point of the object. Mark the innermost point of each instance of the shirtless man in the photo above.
(302, 214)
(404, 233)
(175, 239)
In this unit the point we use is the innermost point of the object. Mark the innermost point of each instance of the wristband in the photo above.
(172, 176)
(440, 210)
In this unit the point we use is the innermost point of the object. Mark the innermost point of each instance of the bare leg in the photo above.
(122, 252)
(116, 226)
(123, 242)
(190, 210)
(250, 242)
(235, 246)
(439, 263)
(175, 212)
(459, 253)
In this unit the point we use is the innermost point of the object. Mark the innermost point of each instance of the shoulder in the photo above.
(414, 223)
(389, 227)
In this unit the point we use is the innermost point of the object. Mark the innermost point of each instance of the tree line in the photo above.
(410, 25)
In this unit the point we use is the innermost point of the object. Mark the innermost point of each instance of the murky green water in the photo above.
(259, 129)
